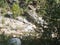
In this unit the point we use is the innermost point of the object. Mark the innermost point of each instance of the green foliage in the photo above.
(27, 1)
(16, 10)
(52, 14)
(3, 11)
(42, 5)
(1, 3)
(3, 21)
(57, 1)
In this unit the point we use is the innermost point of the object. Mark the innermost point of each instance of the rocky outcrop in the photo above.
(32, 14)
(19, 26)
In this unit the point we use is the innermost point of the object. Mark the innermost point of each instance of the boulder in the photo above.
(20, 26)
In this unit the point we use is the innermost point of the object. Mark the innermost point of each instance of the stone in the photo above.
(14, 41)
(10, 26)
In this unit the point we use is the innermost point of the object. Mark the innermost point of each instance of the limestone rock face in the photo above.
(21, 26)
(32, 14)
(13, 26)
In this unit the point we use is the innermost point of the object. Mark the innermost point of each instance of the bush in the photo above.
(16, 10)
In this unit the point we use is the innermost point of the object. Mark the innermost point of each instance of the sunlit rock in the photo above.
(35, 18)
(54, 35)
(10, 26)
(1, 25)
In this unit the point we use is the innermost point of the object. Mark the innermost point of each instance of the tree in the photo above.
(51, 16)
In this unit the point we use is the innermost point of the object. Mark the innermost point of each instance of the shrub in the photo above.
(16, 10)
